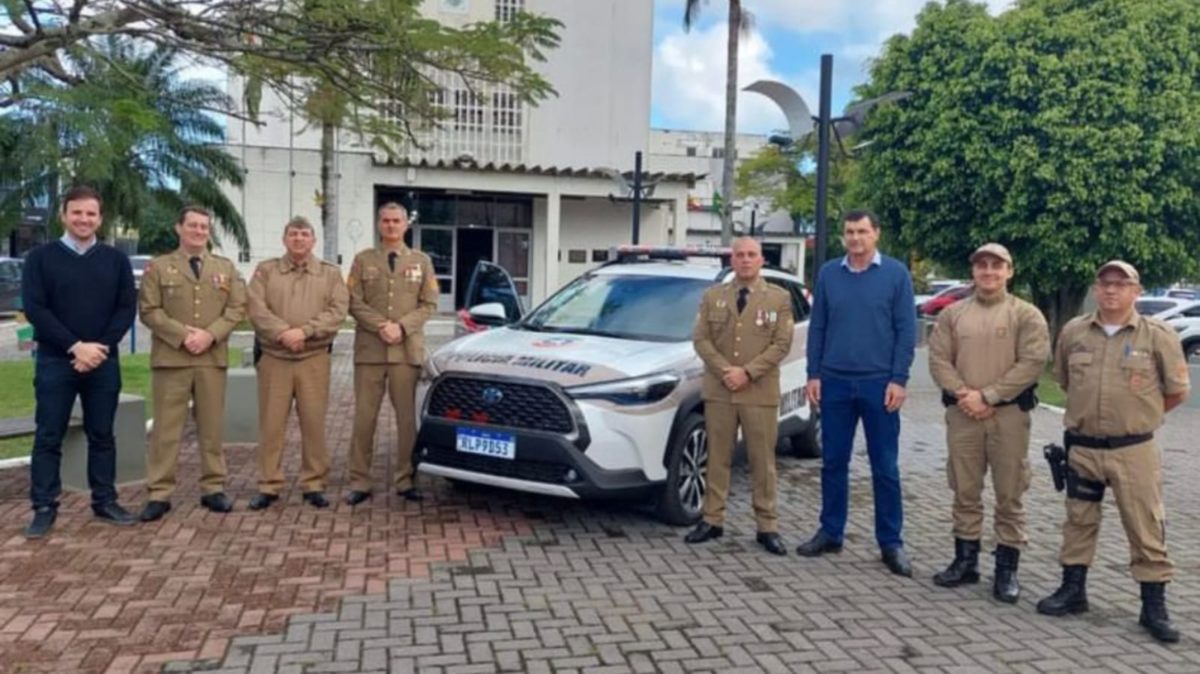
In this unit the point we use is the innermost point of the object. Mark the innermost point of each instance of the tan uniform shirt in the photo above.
(408, 296)
(283, 295)
(1116, 385)
(758, 339)
(997, 347)
(172, 299)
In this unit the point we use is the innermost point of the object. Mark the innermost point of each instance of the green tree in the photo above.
(1068, 130)
(395, 93)
(740, 21)
(132, 127)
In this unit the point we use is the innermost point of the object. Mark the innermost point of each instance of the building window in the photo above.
(244, 255)
(507, 9)
(468, 111)
(577, 256)
(718, 153)
(691, 151)
(506, 113)
(599, 255)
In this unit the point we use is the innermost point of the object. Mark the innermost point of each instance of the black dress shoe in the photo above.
(261, 501)
(357, 496)
(42, 522)
(772, 542)
(113, 513)
(316, 499)
(411, 494)
(703, 532)
(218, 502)
(154, 510)
(896, 560)
(818, 545)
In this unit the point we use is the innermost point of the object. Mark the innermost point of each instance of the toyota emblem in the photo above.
(491, 396)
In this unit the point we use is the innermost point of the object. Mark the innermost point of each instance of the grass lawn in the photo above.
(16, 392)
(1049, 392)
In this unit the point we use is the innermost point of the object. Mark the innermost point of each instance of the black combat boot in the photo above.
(965, 567)
(1071, 597)
(1154, 613)
(1005, 587)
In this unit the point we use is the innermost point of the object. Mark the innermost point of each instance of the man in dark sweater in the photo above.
(79, 295)
(861, 338)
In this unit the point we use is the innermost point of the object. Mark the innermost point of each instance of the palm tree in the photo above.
(131, 126)
(739, 22)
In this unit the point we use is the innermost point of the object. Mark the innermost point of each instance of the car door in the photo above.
(793, 372)
(491, 291)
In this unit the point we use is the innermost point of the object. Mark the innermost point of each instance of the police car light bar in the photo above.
(629, 252)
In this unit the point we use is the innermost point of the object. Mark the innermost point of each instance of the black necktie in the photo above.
(392, 261)
(741, 303)
(195, 262)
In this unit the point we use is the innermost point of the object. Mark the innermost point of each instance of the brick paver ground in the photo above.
(542, 585)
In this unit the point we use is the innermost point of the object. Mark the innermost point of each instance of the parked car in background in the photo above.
(935, 286)
(139, 262)
(1184, 293)
(1189, 335)
(10, 285)
(934, 305)
(1167, 308)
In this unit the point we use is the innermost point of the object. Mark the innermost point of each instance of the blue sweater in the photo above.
(78, 298)
(863, 325)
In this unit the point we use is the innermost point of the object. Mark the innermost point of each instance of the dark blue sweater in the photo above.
(863, 325)
(78, 298)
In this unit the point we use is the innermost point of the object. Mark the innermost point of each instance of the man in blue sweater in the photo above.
(78, 293)
(860, 347)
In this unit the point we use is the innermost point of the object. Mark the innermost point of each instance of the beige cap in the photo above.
(992, 249)
(1122, 266)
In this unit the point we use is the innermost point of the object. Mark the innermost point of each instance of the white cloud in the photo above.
(689, 68)
(689, 81)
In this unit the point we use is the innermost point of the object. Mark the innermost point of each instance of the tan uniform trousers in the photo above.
(1135, 475)
(760, 428)
(370, 382)
(1000, 444)
(173, 387)
(280, 382)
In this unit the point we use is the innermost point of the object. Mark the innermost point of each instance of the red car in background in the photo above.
(934, 305)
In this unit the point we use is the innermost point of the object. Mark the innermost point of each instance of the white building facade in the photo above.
(529, 188)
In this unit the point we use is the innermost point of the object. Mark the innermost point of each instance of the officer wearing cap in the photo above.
(393, 292)
(743, 332)
(1122, 373)
(986, 353)
(191, 300)
(297, 303)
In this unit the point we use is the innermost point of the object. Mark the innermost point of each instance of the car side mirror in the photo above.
(489, 313)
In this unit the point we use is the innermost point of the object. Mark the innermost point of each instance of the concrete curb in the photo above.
(18, 462)
(1052, 408)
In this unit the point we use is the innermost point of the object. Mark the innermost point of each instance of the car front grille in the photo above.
(500, 403)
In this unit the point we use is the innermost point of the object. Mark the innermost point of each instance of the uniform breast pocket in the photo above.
(1078, 364)
(1140, 373)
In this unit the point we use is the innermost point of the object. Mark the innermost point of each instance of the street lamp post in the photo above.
(637, 191)
(800, 125)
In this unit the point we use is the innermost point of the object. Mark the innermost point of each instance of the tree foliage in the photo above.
(368, 51)
(132, 127)
(1068, 130)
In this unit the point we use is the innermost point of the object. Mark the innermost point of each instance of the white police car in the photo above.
(596, 393)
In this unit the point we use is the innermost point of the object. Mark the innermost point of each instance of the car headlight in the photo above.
(636, 391)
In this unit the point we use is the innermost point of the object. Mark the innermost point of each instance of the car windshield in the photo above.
(651, 308)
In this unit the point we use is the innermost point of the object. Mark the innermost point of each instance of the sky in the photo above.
(789, 36)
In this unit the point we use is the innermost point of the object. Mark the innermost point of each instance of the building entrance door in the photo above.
(473, 245)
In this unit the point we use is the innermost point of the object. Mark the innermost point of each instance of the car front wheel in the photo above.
(682, 498)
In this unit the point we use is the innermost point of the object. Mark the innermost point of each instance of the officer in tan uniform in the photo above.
(191, 300)
(986, 353)
(743, 332)
(1122, 373)
(297, 304)
(393, 292)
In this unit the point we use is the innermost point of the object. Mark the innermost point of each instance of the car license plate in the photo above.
(487, 443)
